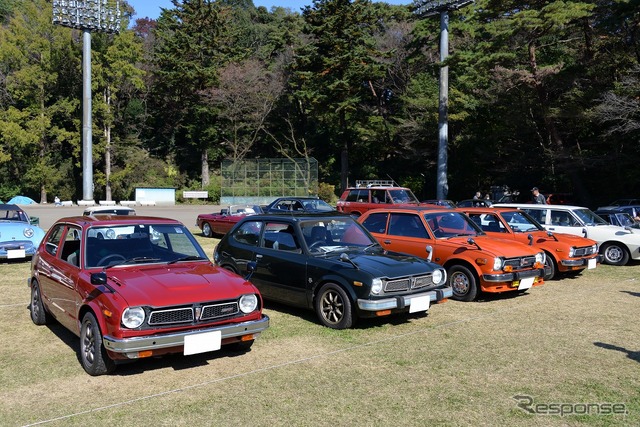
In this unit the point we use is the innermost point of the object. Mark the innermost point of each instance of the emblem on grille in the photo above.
(198, 312)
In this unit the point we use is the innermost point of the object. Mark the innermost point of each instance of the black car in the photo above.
(298, 204)
(617, 216)
(331, 264)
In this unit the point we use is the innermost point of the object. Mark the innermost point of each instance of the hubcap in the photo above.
(332, 307)
(460, 283)
(88, 343)
(614, 254)
(206, 229)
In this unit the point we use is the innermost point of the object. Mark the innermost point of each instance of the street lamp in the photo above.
(426, 9)
(89, 15)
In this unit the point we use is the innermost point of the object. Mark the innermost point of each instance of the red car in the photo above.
(136, 287)
(221, 222)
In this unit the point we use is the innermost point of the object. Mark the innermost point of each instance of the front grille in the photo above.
(219, 310)
(166, 317)
(407, 283)
(520, 262)
(584, 251)
(192, 314)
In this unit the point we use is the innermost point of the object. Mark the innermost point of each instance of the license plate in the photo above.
(16, 253)
(526, 283)
(419, 304)
(591, 264)
(201, 343)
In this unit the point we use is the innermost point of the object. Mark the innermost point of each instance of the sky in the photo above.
(151, 8)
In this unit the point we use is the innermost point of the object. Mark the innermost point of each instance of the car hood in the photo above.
(164, 285)
(386, 264)
(11, 230)
(490, 245)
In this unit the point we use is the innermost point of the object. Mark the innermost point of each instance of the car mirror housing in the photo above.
(99, 278)
(251, 268)
(429, 249)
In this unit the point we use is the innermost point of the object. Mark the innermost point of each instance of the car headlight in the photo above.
(540, 257)
(376, 286)
(498, 263)
(594, 249)
(248, 303)
(439, 276)
(132, 317)
(28, 232)
(572, 252)
(111, 234)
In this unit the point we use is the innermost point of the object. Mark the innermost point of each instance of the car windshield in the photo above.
(338, 234)
(140, 243)
(589, 218)
(317, 205)
(625, 220)
(13, 215)
(451, 224)
(403, 195)
(520, 221)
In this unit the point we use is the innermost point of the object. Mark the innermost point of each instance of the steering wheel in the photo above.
(316, 244)
(116, 257)
(438, 232)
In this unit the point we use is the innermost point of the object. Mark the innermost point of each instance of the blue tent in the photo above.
(21, 200)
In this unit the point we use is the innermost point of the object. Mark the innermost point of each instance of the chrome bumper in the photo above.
(510, 277)
(403, 301)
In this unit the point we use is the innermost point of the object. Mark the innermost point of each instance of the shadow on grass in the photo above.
(633, 355)
(633, 294)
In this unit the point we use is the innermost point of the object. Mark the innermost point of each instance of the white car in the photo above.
(617, 244)
(109, 210)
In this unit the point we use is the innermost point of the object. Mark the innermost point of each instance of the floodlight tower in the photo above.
(426, 9)
(87, 15)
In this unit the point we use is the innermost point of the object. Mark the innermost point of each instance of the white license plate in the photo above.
(526, 283)
(201, 343)
(16, 253)
(591, 264)
(419, 304)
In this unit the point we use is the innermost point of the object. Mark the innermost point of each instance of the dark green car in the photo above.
(329, 263)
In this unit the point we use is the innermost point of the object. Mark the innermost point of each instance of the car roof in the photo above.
(116, 220)
(297, 215)
(10, 207)
(410, 209)
(108, 208)
(537, 206)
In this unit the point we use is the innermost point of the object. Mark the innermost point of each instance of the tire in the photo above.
(463, 282)
(240, 347)
(550, 268)
(615, 254)
(206, 230)
(333, 307)
(39, 314)
(93, 356)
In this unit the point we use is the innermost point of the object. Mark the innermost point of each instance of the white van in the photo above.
(617, 244)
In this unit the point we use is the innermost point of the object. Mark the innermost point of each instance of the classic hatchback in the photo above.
(331, 264)
(19, 238)
(564, 253)
(616, 244)
(474, 261)
(135, 287)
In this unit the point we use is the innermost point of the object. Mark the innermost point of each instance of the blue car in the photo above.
(19, 239)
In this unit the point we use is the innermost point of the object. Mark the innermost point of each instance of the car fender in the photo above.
(466, 263)
(331, 278)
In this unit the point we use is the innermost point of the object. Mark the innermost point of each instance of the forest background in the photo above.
(543, 93)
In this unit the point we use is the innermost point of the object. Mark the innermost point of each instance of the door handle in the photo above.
(387, 242)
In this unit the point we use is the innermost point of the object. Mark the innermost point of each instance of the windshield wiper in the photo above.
(134, 260)
(186, 258)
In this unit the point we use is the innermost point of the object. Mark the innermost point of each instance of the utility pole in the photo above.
(427, 9)
(88, 16)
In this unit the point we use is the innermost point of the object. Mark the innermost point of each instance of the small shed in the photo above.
(155, 196)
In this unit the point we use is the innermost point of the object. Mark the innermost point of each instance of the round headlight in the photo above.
(376, 286)
(540, 257)
(497, 263)
(248, 303)
(132, 317)
(439, 276)
(572, 252)
(111, 234)
(28, 232)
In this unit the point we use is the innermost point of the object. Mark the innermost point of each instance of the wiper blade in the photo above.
(134, 260)
(186, 258)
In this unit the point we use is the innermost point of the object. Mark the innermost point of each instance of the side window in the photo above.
(408, 225)
(280, 236)
(53, 241)
(492, 224)
(376, 223)
(561, 218)
(539, 215)
(71, 246)
(248, 233)
(377, 196)
(353, 196)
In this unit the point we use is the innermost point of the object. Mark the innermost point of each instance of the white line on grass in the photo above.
(273, 367)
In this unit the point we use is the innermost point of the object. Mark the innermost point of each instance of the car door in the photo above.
(564, 221)
(281, 266)
(404, 232)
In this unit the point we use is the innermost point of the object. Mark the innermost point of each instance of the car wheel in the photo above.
(549, 267)
(39, 314)
(463, 282)
(93, 356)
(240, 346)
(615, 254)
(206, 230)
(333, 307)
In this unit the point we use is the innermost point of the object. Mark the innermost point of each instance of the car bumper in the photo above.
(582, 262)
(403, 301)
(510, 277)
(176, 339)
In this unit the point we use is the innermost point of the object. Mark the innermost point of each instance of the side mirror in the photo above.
(251, 268)
(584, 232)
(99, 278)
(530, 237)
(430, 251)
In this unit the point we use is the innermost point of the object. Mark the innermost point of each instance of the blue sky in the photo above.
(151, 8)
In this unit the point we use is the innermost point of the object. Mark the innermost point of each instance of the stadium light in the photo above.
(89, 16)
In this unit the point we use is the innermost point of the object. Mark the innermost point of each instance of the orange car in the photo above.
(564, 252)
(474, 261)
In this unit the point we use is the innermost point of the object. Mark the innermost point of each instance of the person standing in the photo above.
(538, 198)
(477, 196)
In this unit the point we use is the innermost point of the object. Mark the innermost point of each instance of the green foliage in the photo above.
(327, 192)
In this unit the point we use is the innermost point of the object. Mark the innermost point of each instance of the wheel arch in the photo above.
(475, 270)
(336, 280)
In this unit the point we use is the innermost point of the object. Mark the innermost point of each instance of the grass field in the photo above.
(571, 346)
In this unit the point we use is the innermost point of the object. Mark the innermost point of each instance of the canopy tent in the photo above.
(21, 200)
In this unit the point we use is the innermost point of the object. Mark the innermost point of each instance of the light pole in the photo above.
(431, 8)
(97, 16)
